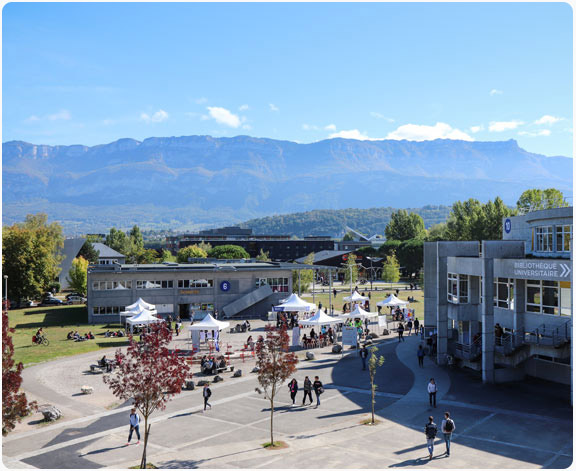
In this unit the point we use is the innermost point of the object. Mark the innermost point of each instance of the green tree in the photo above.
(347, 237)
(78, 275)
(263, 256)
(167, 256)
(404, 225)
(350, 269)
(306, 276)
(437, 232)
(192, 251)
(472, 220)
(411, 255)
(31, 256)
(374, 362)
(88, 252)
(536, 199)
(389, 247)
(148, 256)
(391, 269)
(205, 246)
(230, 252)
(118, 240)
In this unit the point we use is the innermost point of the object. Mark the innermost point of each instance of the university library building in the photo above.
(505, 307)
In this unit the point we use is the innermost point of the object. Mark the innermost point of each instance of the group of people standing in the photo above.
(309, 386)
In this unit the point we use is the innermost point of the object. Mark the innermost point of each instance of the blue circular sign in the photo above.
(508, 226)
(225, 286)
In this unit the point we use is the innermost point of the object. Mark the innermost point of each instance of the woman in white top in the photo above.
(432, 390)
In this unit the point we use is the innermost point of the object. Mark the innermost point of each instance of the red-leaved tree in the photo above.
(150, 374)
(14, 403)
(276, 364)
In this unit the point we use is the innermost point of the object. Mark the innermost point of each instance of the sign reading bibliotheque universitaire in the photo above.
(533, 269)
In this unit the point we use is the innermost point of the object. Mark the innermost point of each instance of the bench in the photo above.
(97, 369)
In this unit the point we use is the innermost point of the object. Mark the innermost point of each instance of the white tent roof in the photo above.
(358, 313)
(145, 317)
(209, 323)
(392, 301)
(138, 310)
(320, 318)
(295, 303)
(141, 303)
(356, 297)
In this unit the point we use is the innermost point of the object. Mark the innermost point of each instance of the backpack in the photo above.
(431, 430)
(449, 426)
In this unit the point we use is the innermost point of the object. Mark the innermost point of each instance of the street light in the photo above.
(5, 287)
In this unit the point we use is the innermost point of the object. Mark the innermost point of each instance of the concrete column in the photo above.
(519, 305)
(487, 317)
(442, 312)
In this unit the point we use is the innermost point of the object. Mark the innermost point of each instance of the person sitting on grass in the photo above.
(107, 333)
(90, 335)
(70, 335)
(119, 334)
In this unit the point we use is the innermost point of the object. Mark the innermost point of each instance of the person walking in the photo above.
(318, 389)
(363, 356)
(420, 354)
(431, 430)
(134, 426)
(206, 393)
(409, 326)
(416, 326)
(432, 390)
(307, 390)
(293, 386)
(448, 426)
(400, 332)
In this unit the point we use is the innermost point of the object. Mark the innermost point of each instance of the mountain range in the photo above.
(192, 182)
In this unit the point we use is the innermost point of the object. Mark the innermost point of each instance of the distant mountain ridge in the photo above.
(202, 181)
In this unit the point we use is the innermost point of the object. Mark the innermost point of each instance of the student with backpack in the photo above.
(430, 429)
(448, 426)
(206, 393)
(134, 426)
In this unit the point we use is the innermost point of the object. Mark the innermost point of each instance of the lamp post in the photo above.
(5, 287)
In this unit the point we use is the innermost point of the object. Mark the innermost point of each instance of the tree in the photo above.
(78, 275)
(350, 269)
(117, 240)
(306, 276)
(192, 251)
(391, 269)
(437, 232)
(88, 252)
(411, 255)
(148, 256)
(389, 247)
(14, 403)
(263, 256)
(374, 362)
(230, 252)
(404, 225)
(275, 365)
(347, 237)
(31, 256)
(149, 374)
(167, 256)
(472, 220)
(536, 199)
(136, 246)
(205, 246)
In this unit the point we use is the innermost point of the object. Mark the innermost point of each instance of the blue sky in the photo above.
(90, 73)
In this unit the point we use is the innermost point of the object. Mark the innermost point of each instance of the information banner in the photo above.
(382, 322)
(349, 335)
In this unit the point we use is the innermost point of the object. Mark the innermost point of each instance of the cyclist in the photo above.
(39, 336)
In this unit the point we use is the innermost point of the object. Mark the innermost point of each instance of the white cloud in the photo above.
(224, 116)
(330, 127)
(309, 127)
(475, 129)
(377, 115)
(243, 108)
(499, 126)
(273, 107)
(548, 119)
(157, 117)
(351, 134)
(32, 119)
(495, 91)
(421, 132)
(201, 100)
(62, 114)
(543, 132)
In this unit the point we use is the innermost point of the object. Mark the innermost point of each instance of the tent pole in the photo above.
(330, 293)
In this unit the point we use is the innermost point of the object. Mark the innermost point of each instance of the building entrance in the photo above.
(184, 311)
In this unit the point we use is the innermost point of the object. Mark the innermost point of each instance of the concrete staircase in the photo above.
(246, 301)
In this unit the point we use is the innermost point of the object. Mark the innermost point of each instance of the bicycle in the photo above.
(41, 341)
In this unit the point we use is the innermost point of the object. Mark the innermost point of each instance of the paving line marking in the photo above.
(561, 452)
(475, 424)
(79, 420)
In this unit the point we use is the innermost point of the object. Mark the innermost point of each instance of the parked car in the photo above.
(76, 300)
(69, 295)
(52, 302)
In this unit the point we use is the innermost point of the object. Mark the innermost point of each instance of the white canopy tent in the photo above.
(144, 317)
(320, 318)
(141, 304)
(295, 304)
(209, 323)
(358, 313)
(356, 298)
(392, 301)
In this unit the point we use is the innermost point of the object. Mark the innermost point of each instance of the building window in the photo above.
(278, 285)
(563, 238)
(105, 285)
(146, 284)
(107, 310)
(504, 293)
(548, 297)
(203, 283)
(457, 288)
(543, 239)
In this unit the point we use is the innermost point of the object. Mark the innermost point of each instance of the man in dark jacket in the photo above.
(430, 429)
(307, 390)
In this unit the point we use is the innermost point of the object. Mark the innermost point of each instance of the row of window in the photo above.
(146, 284)
(104, 285)
(107, 310)
(542, 297)
(278, 285)
(195, 283)
(543, 238)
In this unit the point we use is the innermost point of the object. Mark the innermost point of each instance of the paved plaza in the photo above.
(520, 425)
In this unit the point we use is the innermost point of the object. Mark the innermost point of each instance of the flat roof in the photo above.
(173, 266)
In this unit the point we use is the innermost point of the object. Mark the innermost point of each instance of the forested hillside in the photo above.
(333, 222)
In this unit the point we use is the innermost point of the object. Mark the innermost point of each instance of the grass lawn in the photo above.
(377, 296)
(56, 321)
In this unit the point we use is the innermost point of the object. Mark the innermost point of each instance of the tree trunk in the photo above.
(373, 401)
(146, 433)
(272, 422)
